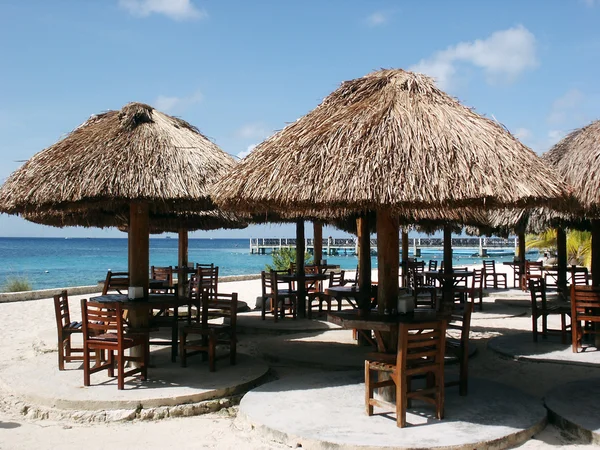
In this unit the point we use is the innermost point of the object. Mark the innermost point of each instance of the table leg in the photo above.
(174, 334)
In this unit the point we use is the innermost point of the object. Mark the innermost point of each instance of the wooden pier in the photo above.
(348, 246)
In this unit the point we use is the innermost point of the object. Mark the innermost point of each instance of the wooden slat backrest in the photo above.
(584, 298)
(61, 308)
(117, 281)
(580, 278)
(537, 287)
(336, 279)
(489, 265)
(266, 283)
(100, 318)
(534, 267)
(162, 273)
(219, 305)
(421, 343)
(208, 279)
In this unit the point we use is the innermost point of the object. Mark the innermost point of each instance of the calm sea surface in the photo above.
(58, 262)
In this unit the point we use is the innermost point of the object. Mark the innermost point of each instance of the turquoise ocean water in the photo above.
(58, 262)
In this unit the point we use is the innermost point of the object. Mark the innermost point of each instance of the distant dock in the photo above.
(349, 246)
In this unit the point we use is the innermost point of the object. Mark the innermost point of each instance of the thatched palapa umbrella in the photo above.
(136, 161)
(577, 159)
(387, 142)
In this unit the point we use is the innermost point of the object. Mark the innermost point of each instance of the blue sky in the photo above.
(240, 70)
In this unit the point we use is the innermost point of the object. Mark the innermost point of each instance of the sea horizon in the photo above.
(54, 262)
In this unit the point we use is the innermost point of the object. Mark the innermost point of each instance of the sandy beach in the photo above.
(29, 323)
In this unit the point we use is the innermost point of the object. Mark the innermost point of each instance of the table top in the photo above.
(153, 300)
(307, 277)
(380, 322)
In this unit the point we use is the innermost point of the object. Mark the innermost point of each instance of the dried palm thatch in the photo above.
(159, 223)
(577, 159)
(137, 153)
(390, 139)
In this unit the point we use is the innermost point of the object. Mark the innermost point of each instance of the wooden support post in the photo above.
(182, 262)
(404, 260)
(364, 262)
(595, 252)
(301, 285)
(387, 260)
(317, 242)
(447, 289)
(561, 250)
(139, 261)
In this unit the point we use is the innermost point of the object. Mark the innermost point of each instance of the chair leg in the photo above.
(121, 370)
(61, 355)
(563, 328)
(111, 363)
(182, 352)
(575, 325)
(401, 401)
(368, 390)
(86, 365)
(534, 328)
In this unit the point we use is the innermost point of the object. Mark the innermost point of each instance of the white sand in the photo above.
(24, 322)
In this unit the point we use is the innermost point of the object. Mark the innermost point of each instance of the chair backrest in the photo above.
(192, 288)
(162, 273)
(489, 265)
(477, 281)
(116, 281)
(537, 288)
(534, 267)
(460, 319)
(208, 279)
(585, 303)
(433, 264)
(101, 318)
(205, 266)
(266, 283)
(580, 277)
(421, 344)
(220, 305)
(61, 310)
(336, 278)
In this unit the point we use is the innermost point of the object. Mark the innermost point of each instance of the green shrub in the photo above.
(283, 257)
(17, 284)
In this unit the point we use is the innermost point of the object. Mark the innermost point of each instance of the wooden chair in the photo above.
(580, 277)
(421, 348)
(104, 329)
(532, 270)
(205, 279)
(212, 334)
(489, 270)
(517, 272)
(66, 328)
(585, 307)
(116, 281)
(278, 298)
(541, 309)
(475, 291)
(417, 284)
(164, 274)
(460, 320)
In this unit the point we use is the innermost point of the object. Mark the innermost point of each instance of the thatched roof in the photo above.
(137, 153)
(389, 139)
(159, 223)
(577, 159)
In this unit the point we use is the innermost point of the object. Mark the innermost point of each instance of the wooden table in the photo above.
(349, 293)
(380, 323)
(457, 276)
(153, 301)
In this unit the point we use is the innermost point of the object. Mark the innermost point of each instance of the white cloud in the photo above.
(591, 3)
(503, 56)
(253, 131)
(377, 18)
(564, 107)
(169, 104)
(246, 152)
(522, 133)
(555, 135)
(174, 9)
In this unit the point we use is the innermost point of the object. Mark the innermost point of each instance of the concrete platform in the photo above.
(38, 381)
(520, 346)
(574, 407)
(327, 411)
(329, 350)
(251, 323)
